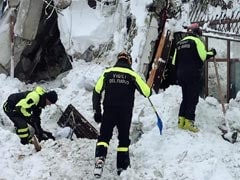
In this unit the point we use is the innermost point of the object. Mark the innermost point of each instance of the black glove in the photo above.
(98, 117)
(46, 135)
(213, 51)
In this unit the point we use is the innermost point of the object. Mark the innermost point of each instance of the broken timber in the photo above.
(80, 126)
(159, 66)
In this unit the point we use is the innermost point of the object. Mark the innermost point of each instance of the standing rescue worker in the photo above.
(119, 83)
(189, 56)
(25, 108)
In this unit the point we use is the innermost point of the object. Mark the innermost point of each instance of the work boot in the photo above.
(181, 122)
(123, 161)
(99, 163)
(100, 156)
(189, 125)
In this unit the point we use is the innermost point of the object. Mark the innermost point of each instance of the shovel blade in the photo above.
(160, 125)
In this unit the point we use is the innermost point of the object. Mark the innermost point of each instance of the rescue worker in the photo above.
(189, 56)
(25, 108)
(119, 83)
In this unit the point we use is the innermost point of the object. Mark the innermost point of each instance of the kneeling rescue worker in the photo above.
(25, 108)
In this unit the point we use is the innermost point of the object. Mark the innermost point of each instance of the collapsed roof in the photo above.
(30, 44)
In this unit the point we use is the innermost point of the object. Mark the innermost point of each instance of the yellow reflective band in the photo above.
(143, 87)
(201, 49)
(39, 90)
(174, 58)
(102, 144)
(99, 84)
(34, 97)
(23, 135)
(22, 130)
(122, 149)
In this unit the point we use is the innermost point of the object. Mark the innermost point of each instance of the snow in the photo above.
(174, 155)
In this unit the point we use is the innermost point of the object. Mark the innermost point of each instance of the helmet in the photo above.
(52, 96)
(194, 29)
(125, 56)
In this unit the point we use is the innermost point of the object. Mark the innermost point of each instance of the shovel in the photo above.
(227, 134)
(159, 121)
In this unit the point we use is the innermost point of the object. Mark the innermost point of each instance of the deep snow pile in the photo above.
(177, 154)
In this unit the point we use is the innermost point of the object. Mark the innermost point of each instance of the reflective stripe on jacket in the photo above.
(200, 47)
(189, 55)
(119, 84)
(32, 99)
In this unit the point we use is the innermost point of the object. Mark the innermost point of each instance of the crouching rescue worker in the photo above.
(25, 108)
(119, 83)
(189, 56)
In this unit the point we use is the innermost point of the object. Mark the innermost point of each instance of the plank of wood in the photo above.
(158, 54)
